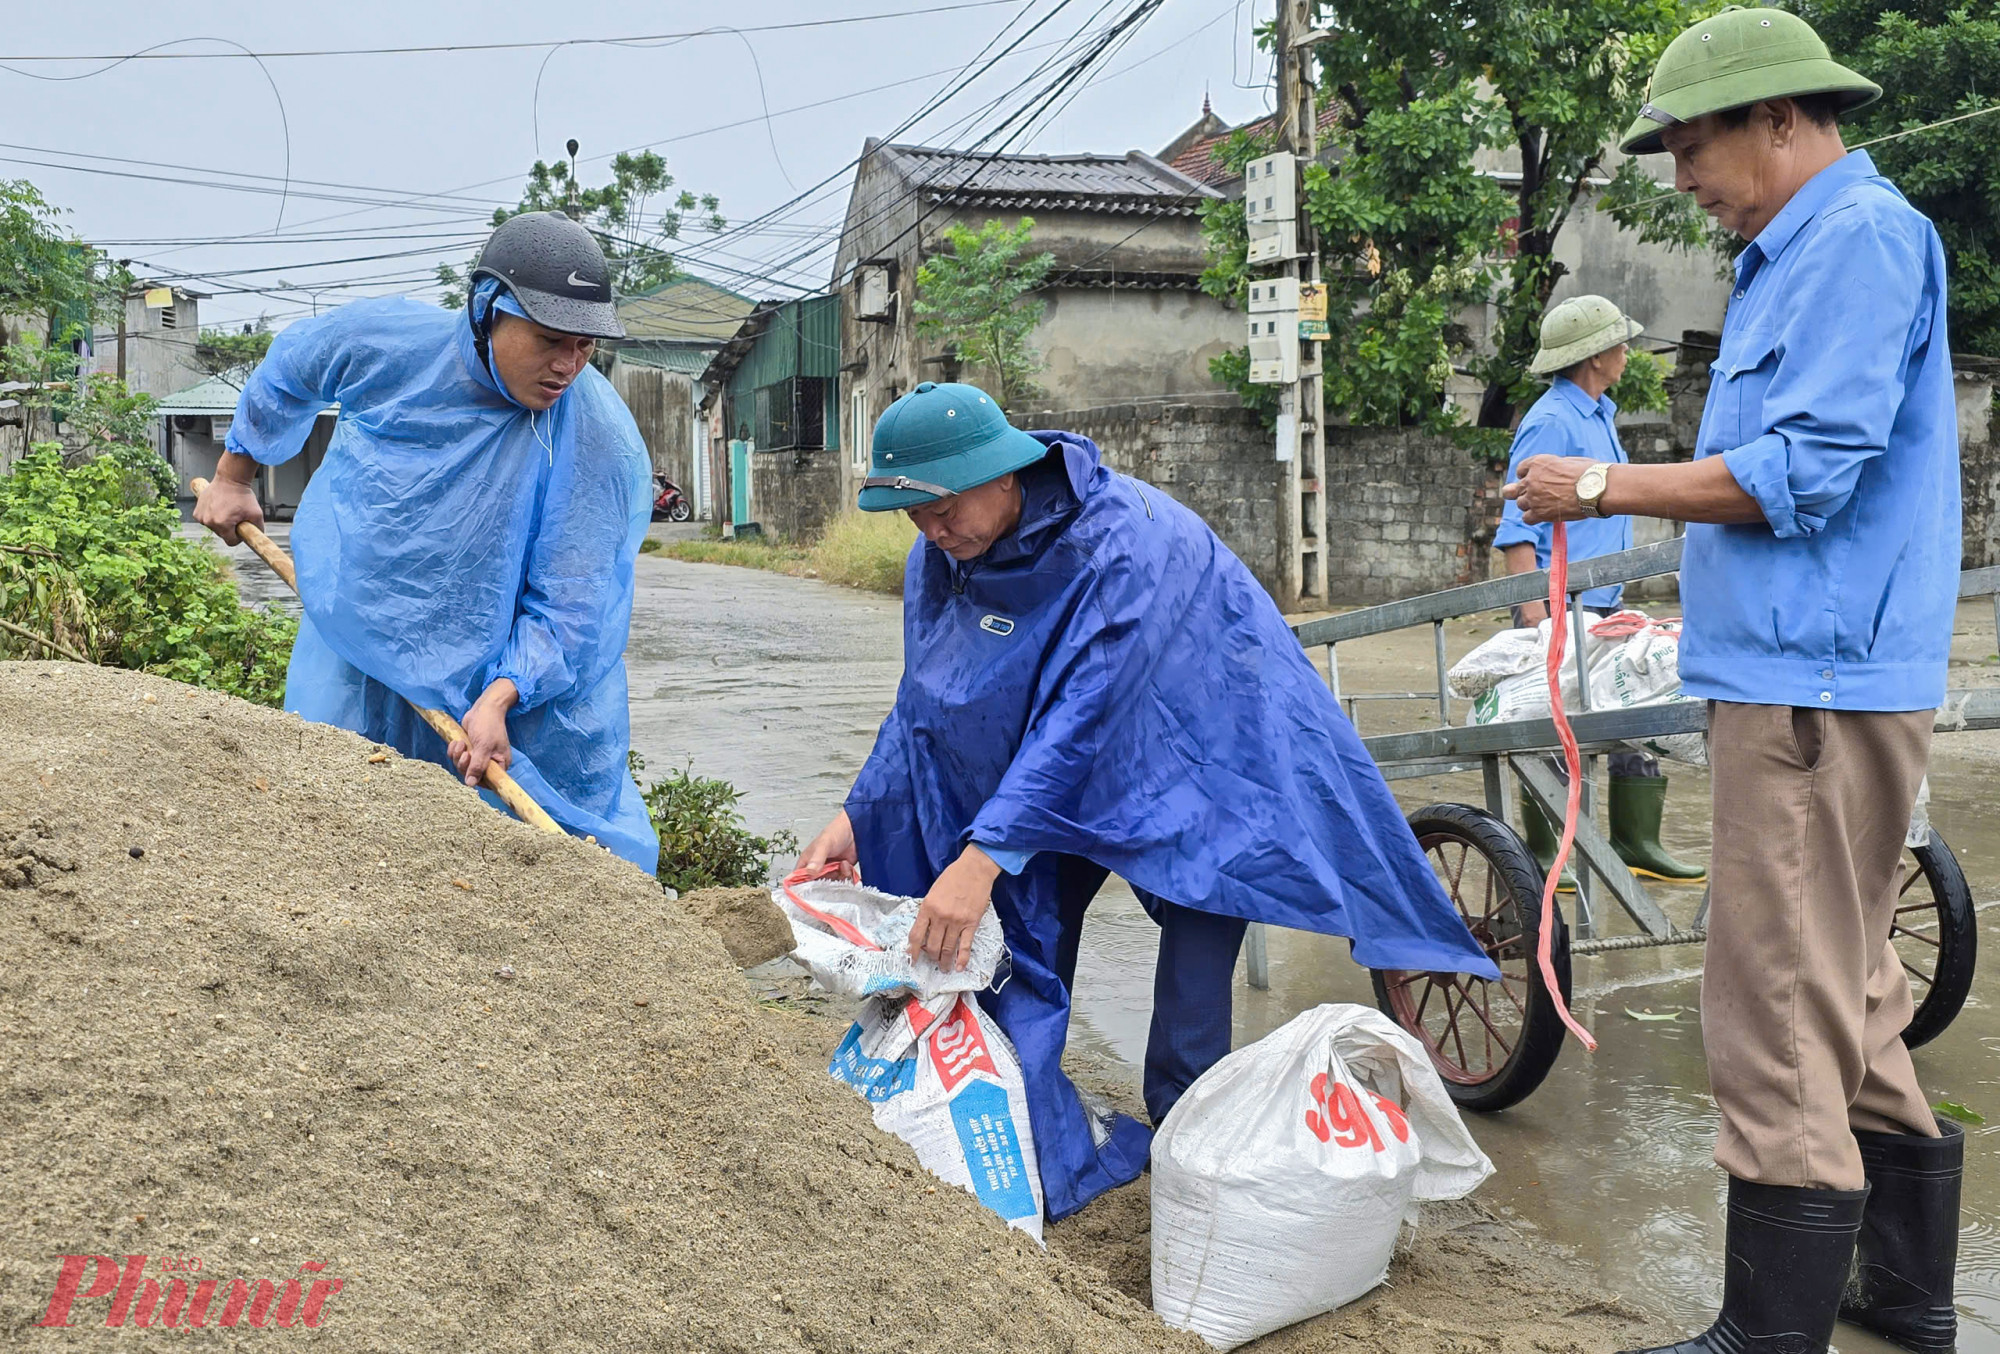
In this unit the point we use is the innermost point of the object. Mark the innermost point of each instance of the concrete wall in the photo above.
(1105, 347)
(194, 444)
(794, 494)
(159, 361)
(1216, 461)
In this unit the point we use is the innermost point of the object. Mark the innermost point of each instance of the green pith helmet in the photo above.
(941, 440)
(1739, 57)
(1581, 327)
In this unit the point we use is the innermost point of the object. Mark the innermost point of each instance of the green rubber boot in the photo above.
(1542, 838)
(1637, 805)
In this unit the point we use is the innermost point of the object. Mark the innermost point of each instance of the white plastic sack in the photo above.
(1283, 1177)
(1505, 655)
(1644, 669)
(943, 1078)
(853, 939)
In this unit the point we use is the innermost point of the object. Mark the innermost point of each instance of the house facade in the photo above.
(1125, 319)
(152, 351)
(772, 407)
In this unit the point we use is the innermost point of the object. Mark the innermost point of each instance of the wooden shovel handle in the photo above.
(496, 779)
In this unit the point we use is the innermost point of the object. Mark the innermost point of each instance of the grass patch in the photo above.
(858, 550)
(865, 550)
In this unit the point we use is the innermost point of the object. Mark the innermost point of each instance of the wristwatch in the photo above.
(1590, 487)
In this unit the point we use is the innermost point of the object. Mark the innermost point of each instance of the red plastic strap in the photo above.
(1559, 617)
(840, 926)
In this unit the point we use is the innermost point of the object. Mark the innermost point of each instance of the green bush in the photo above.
(90, 557)
(703, 843)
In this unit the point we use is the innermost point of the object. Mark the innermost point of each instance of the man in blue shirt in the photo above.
(1584, 344)
(1820, 580)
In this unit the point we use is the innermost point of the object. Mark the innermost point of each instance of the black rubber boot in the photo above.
(1543, 838)
(1638, 804)
(1789, 1254)
(1902, 1285)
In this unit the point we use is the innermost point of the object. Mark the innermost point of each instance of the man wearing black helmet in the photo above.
(468, 541)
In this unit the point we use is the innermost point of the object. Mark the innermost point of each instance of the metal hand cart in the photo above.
(1494, 1042)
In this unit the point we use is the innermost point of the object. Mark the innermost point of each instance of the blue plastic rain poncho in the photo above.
(452, 537)
(1109, 683)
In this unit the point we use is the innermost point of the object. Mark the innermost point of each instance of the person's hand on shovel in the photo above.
(230, 499)
(485, 732)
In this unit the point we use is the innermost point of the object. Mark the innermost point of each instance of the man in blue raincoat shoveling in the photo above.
(1093, 684)
(468, 541)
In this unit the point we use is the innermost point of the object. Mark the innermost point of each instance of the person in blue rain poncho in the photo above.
(1093, 684)
(468, 541)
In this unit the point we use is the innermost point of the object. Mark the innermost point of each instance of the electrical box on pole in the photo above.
(1274, 331)
(1271, 208)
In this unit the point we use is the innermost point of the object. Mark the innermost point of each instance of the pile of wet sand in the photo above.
(272, 1003)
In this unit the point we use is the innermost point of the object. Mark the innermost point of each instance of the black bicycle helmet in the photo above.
(556, 271)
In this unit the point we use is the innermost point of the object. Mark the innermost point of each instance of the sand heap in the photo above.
(268, 1002)
(277, 1007)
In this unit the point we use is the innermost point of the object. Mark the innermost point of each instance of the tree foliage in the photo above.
(91, 558)
(636, 217)
(1934, 61)
(979, 296)
(221, 352)
(1469, 132)
(48, 275)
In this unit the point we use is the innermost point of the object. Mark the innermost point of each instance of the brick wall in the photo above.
(1217, 461)
(1408, 512)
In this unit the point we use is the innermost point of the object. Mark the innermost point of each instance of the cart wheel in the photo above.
(1936, 935)
(1492, 1042)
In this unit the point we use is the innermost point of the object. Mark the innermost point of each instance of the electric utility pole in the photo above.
(1298, 132)
(1287, 312)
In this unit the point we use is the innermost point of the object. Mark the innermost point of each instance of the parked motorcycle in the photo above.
(669, 503)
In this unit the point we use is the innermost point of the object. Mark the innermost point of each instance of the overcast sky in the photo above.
(178, 138)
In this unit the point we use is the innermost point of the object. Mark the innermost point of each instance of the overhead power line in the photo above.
(155, 53)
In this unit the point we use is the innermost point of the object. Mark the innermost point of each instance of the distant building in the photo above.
(153, 350)
(772, 403)
(194, 422)
(672, 333)
(1126, 320)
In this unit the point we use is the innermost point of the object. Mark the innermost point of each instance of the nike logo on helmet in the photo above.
(576, 281)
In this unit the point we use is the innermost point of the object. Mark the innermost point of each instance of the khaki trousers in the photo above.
(1803, 1000)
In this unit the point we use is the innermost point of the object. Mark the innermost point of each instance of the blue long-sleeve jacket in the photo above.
(1831, 403)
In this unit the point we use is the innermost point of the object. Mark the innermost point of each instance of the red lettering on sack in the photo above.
(1337, 1115)
(958, 1049)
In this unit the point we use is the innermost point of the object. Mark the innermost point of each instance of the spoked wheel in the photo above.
(1936, 935)
(1492, 1042)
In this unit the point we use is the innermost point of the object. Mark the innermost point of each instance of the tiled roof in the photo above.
(1131, 183)
(1197, 160)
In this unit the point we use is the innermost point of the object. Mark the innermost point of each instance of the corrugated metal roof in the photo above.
(689, 308)
(216, 395)
(1134, 182)
(686, 359)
